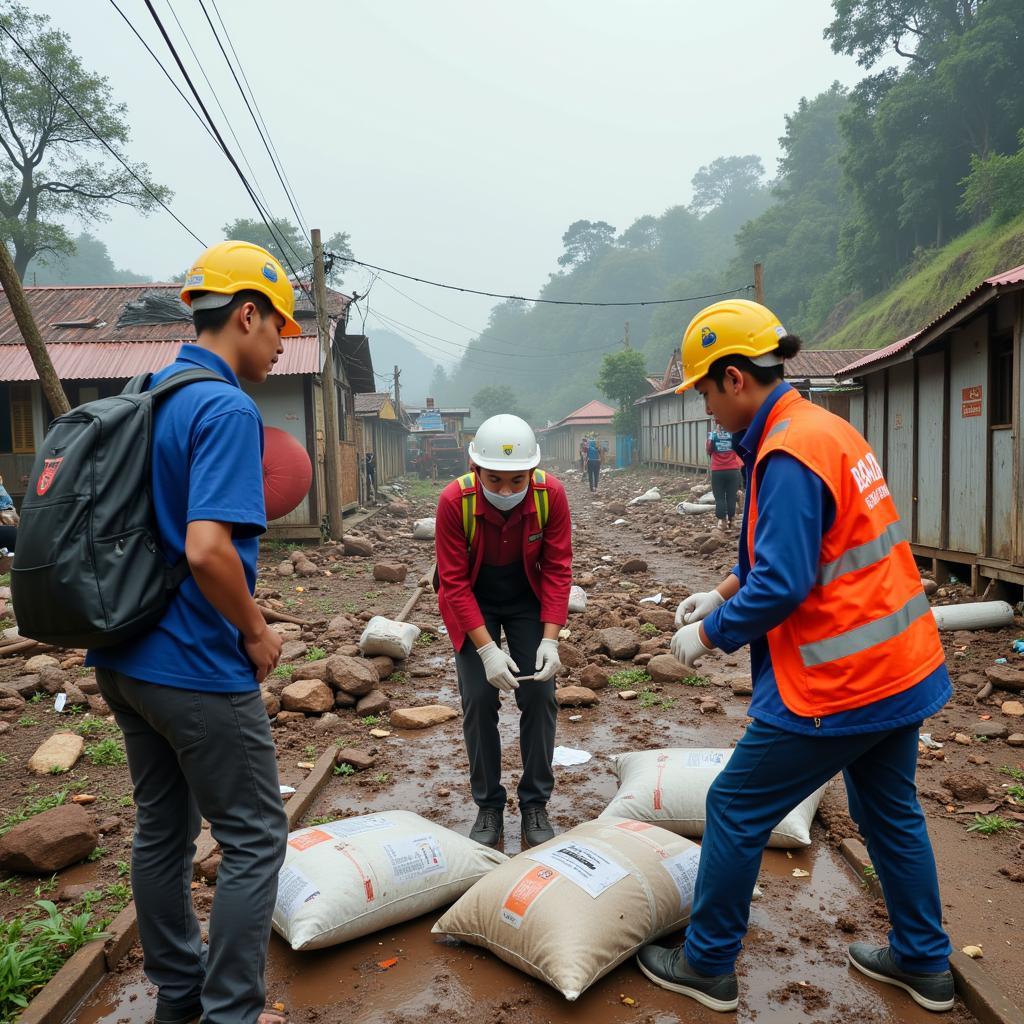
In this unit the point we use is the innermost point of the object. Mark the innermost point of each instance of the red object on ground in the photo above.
(287, 472)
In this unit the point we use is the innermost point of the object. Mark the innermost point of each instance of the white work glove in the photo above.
(698, 607)
(548, 662)
(498, 667)
(687, 646)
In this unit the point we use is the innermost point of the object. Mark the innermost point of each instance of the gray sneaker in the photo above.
(488, 827)
(669, 969)
(536, 826)
(933, 991)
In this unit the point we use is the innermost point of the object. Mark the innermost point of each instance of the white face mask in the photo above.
(504, 502)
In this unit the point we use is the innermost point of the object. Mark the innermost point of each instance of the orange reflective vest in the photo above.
(865, 631)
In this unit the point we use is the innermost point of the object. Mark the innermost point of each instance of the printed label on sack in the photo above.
(524, 893)
(682, 869)
(357, 826)
(705, 758)
(591, 870)
(294, 890)
(639, 830)
(304, 840)
(415, 858)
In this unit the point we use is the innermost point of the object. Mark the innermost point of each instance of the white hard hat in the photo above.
(504, 443)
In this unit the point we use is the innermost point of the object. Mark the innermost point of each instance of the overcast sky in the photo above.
(453, 140)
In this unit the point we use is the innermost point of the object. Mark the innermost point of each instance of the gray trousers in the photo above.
(538, 714)
(196, 755)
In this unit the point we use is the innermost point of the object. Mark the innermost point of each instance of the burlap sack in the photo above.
(670, 787)
(569, 911)
(352, 877)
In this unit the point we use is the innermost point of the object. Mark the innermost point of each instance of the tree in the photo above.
(55, 168)
(495, 399)
(623, 379)
(995, 185)
(584, 240)
(724, 178)
(293, 248)
(88, 263)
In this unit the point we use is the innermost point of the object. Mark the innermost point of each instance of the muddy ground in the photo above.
(793, 967)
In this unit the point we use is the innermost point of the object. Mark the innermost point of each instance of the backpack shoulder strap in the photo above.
(178, 380)
(467, 484)
(540, 496)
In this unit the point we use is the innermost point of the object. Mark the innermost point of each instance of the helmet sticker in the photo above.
(707, 337)
(270, 271)
(194, 279)
(780, 331)
(508, 449)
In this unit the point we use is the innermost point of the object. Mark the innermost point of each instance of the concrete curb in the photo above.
(57, 1000)
(974, 986)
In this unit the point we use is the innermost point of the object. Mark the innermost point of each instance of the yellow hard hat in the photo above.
(231, 267)
(735, 327)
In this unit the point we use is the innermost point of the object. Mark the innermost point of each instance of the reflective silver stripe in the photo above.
(864, 554)
(860, 639)
(781, 425)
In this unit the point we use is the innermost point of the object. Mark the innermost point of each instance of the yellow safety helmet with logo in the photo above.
(231, 267)
(735, 327)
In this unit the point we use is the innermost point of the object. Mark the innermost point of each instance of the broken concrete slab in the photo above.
(422, 717)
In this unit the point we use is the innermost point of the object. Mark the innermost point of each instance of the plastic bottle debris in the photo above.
(653, 599)
(59, 701)
(1018, 646)
(566, 757)
(925, 739)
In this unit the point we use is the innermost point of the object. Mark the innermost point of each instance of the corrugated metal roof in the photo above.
(368, 403)
(1008, 278)
(593, 414)
(821, 362)
(121, 360)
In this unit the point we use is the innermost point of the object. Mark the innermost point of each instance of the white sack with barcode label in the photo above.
(347, 878)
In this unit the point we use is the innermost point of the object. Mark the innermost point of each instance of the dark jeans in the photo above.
(8, 535)
(593, 472)
(538, 714)
(195, 755)
(725, 483)
(769, 773)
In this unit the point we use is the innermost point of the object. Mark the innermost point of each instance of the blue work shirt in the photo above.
(207, 464)
(795, 510)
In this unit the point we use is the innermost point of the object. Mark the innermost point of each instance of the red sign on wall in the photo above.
(970, 401)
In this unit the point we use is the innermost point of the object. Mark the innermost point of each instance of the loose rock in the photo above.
(357, 546)
(990, 730)
(575, 697)
(309, 696)
(292, 650)
(40, 661)
(1016, 739)
(358, 759)
(619, 643)
(664, 668)
(58, 753)
(423, 717)
(270, 701)
(965, 786)
(355, 676)
(1013, 708)
(284, 717)
(635, 565)
(49, 841)
(593, 677)
(374, 703)
(570, 657)
(312, 670)
(390, 572)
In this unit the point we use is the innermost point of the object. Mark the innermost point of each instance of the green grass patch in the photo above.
(370, 719)
(322, 819)
(344, 770)
(32, 806)
(315, 654)
(89, 727)
(397, 677)
(123, 868)
(27, 721)
(100, 851)
(283, 671)
(1016, 791)
(382, 777)
(1015, 773)
(106, 752)
(119, 894)
(992, 824)
(629, 679)
(649, 629)
(33, 949)
(425, 639)
(696, 680)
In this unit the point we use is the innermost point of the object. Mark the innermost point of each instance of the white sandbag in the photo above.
(652, 495)
(670, 787)
(706, 499)
(692, 508)
(980, 615)
(423, 529)
(572, 909)
(577, 599)
(386, 636)
(700, 489)
(352, 877)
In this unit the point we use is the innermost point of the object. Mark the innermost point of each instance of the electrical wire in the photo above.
(549, 302)
(223, 145)
(99, 138)
(245, 99)
(263, 120)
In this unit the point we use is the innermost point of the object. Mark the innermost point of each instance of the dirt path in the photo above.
(793, 967)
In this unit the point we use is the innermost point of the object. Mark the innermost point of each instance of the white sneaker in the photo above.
(720, 525)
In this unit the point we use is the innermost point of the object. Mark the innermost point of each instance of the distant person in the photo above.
(186, 693)
(371, 473)
(504, 565)
(593, 463)
(583, 455)
(726, 474)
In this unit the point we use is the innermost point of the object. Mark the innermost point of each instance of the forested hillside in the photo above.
(889, 200)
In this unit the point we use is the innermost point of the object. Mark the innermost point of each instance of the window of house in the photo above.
(1001, 387)
(23, 441)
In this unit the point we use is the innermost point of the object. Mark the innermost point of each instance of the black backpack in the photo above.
(88, 567)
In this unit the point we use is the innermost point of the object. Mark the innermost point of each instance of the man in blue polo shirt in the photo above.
(186, 694)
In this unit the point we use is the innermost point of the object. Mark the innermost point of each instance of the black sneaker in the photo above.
(933, 991)
(488, 827)
(669, 969)
(536, 826)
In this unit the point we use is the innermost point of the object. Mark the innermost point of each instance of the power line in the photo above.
(523, 298)
(269, 139)
(81, 117)
(222, 143)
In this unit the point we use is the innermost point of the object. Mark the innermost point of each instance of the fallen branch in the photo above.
(273, 615)
(18, 646)
(985, 690)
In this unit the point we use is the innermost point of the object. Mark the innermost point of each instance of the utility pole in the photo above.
(332, 451)
(398, 393)
(759, 283)
(48, 378)
(625, 339)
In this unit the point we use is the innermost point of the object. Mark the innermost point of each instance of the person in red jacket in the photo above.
(726, 474)
(504, 564)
